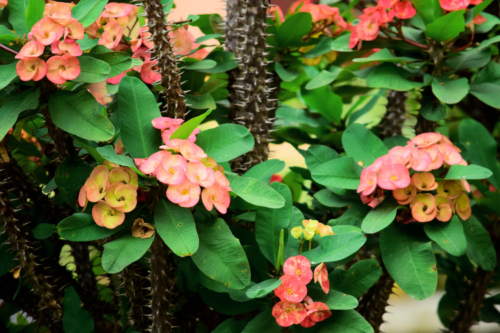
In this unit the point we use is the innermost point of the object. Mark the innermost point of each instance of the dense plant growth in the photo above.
(138, 190)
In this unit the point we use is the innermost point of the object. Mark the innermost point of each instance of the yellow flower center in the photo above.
(289, 291)
(185, 192)
(171, 171)
(288, 310)
(371, 182)
(213, 198)
(394, 178)
(298, 272)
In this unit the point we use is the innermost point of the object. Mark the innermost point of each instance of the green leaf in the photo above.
(346, 322)
(176, 227)
(449, 235)
(202, 39)
(7, 74)
(428, 10)
(263, 171)
(75, 318)
(205, 101)
(479, 246)
(284, 74)
(295, 27)
(86, 43)
(390, 76)
(203, 64)
(81, 227)
(467, 172)
(262, 289)
(10, 109)
(324, 78)
(324, 101)
(88, 11)
(44, 230)
(446, 27)
(409, 259)
(475, 58)
(221, 257)
(118, 61)
(361, 144)
(384, 55)
(336, 247)
(433, 110)
(335, 300)
(225, 142)
(488, 42)
(225, 62)
(324, 46)
(269, 222)
(486, 85)
(255, 192)
(70, 176)
(92, 70)
(189, 126)
(380, 217)
(123, 251)
(230, 326)
(17, 16)
(34, 12)
(338, 173)
(293, 244)
(481, 147)
(109, 153)
(317, 155)
(137, 108)
(491, 22)
(341, 43)
(450, 91)
(358, 279)
(281, 250)
(330, 199)
(482, 6)
(264, 322)
(83, 119)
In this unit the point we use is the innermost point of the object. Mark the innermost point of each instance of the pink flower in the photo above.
(197, 172)
(289, 313)
(426, 139)
(387, 4)
(112, 35)
(142, 40)
(82, 198)
(454, 5)
(173, 145)
(172, 169)
(149, 72)
(393, 176)
(47, 31)
(291, 289)
(115, 10)
(437, 159)
(106, 216)
(186, 194)
(479, 19)
(150, 164)
(3, 3)
(423, 207)
(379, 163)
(321, 276)
(462, 206)
(368, 182)
(424, 181)
(444, 208)
(100, 92)
(404, 10)
(222, 181)
(118, 78)
(299, 267)
(32, 49)
(122, 197)
(354, 39)
(318, 311)
(59, 12)
(65, 48)
(124, 175)
(420, 159)
(62, 68)
(74, 31)
(97, 184)
(191, 151)
(400, 153)
(405, 195)
(216, 196)
(31, 69)
(143, 56)
(449, 153)
(184, 41)
(163, 123)
(367, 29)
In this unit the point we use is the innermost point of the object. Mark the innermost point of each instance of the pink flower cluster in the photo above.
(114, 190)
(454, 5)
(3, 3)
(379, 16)
(56, 23)
(295, 307)
(185, 168)
(424, 153)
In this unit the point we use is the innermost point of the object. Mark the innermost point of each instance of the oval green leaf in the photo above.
(380, 217)
(338, 173)
(362, 145)
(225, 142)
(479, 246)
(189, 126)
(81, 227)
(123, 251)
(336, 247)
(255, 192)
(358, 279)
(262, 289)
(449, 235)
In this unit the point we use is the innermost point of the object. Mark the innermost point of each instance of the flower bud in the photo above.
(297, 232)
(308, 234)
(311, 225)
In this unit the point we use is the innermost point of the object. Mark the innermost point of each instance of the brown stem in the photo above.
(5, 48)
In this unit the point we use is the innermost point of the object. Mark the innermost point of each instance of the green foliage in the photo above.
(450, 236)
(17, 16)
(75, 318)
(176, 227)
(34, 12)
(10, 110)
(225, 142)
(358, 279)
(188, 127)
(137, 108)
(263, 171)
(87, 11)
(409, 259)
(446, 27)
(262, 289)
(340, 173)
(362, 145)
(467, 172)
(380, 217)
(93, 70)
(290, 33)
(123, 251)
(255, 192)
(479, 246)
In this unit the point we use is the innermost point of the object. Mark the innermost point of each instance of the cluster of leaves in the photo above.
(437, 71)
